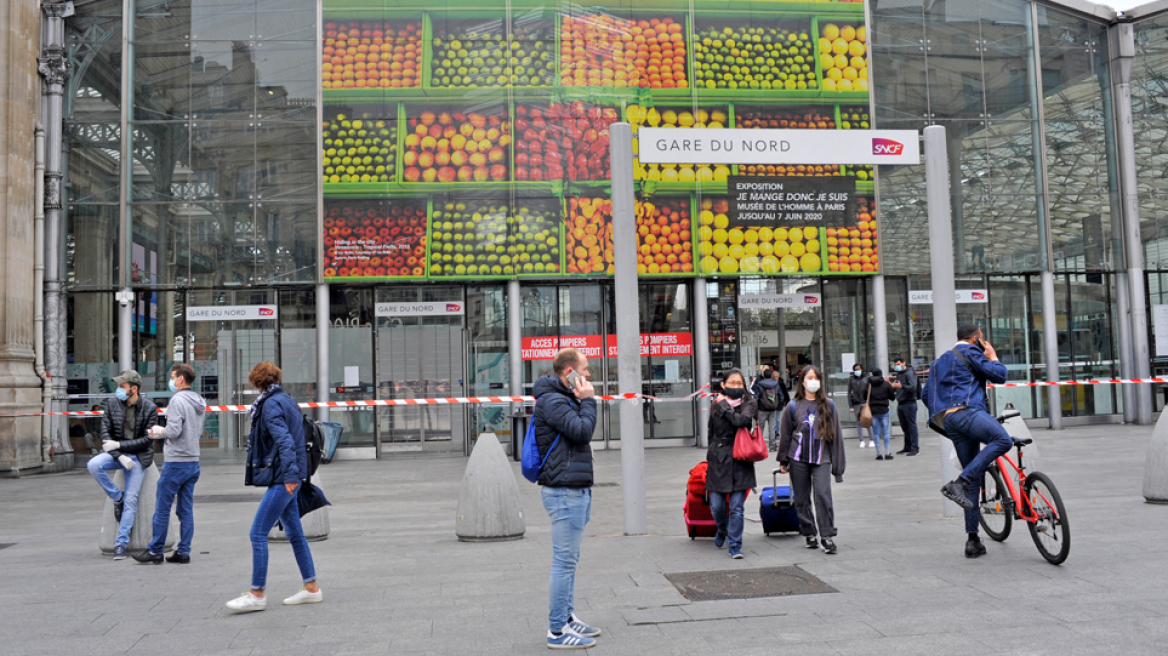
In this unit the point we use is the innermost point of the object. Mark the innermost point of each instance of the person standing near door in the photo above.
(905, 385)
(857, 397)
(772, 398)
(879, 398)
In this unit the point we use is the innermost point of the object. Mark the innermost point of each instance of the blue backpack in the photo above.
(531, 463)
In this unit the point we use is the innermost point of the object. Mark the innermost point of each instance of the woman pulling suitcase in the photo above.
(734, 408)
(811, 449)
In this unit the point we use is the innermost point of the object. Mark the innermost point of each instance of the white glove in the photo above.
(127, 462)
(157, 432)
(109, 445)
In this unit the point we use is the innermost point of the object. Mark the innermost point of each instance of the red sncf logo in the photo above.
(267, 312)
(453, 307)
(811, 300)
(881, 146)
(977, 296)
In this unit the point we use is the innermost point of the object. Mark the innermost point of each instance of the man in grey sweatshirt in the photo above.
(185, 415)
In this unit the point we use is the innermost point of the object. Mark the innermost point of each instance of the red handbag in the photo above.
(749, 445)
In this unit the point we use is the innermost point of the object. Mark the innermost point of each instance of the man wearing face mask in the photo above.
(905, 385)
(126, 443)
(185, 415)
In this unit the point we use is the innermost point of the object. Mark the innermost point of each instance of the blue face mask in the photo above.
(173, 387)
(121, 393)
(857, 373)
(899, 367)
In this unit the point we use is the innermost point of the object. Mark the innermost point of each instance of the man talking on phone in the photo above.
(565, 417)
(956, 398)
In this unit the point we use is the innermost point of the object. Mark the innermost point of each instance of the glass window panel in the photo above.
(162, 152)
(93, 90)
(286, 20)
(223, 160)
(93, 165)
(224, 20)
(286, 241)
(286, 161)
(95, 228)
(953, 52)
(285, 75)
(91, 344)
(223, 80)
(162, 80)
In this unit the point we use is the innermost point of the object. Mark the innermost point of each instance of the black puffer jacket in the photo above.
(559, 414)
(139, 444)
(725, 474)
(857, 390)
(882, 394)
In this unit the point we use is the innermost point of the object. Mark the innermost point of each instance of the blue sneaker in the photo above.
(119, 552)
(736, 554)
(568, 639)
(583, 629)
(719, 540)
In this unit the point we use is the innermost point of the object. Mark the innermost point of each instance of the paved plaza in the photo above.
(396, 580)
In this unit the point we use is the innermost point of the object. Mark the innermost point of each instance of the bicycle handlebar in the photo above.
(1008, 414)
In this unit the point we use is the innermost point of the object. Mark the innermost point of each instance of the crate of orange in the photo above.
(664, 242)
(364, 56)
(599, 48)
(588, 236)
(853, 248)
(375, 239)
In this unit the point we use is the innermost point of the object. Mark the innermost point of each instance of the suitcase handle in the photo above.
(775, 482)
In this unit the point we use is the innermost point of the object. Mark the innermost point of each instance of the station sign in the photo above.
(431, 309)
(777, 301)
(232, 313)
(925, 297)
(778, 147)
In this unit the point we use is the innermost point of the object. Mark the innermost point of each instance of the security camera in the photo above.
(124, 297)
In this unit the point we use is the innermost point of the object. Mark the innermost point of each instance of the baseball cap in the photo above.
(128, 376)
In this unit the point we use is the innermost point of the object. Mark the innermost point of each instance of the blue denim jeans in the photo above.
(177, 479)
(969, 429)
(104, 462)
(569, 508)
(277, 504)
(728, 517)
(882, 430)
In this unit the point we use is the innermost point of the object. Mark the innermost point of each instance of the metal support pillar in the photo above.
(1121, 38)
(1050, 351)
(701, 324)
(1126, 360)
(941, 257)
(515, 360)
(880, 322)
(323, 307)
(628, 328)
(125, 299)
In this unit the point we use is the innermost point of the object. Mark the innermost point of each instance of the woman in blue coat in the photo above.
(276, 459)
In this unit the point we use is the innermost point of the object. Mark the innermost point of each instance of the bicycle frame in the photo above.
(1022, 506)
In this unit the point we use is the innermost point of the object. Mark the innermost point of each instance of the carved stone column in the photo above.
(20, 438)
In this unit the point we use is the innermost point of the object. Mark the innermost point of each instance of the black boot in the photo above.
(181, 559)
(147, 557)
(957, 491)
(974, 546)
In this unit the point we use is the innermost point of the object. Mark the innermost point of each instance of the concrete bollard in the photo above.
(315, 523)
(1156, 464)
(143, 530)
(488, 501)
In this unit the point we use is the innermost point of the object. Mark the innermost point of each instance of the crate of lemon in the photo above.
(843, 59)
(723, 249)
(685, 175)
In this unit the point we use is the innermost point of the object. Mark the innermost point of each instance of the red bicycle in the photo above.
(1041, 506)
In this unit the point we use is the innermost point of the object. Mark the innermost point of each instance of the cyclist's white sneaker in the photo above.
(305, 597)
(247, 602)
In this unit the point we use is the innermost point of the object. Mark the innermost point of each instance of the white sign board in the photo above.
(773, 301)
(742, 146)
(352, 376)
(434, 309)
(1160, 325)
(848, 360)
(925, 297)
(232, 313)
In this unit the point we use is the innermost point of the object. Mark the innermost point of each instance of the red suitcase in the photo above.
(699, 519)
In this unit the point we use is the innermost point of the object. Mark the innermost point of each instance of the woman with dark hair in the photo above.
(811, 449)
(727, 479)
(276, 459)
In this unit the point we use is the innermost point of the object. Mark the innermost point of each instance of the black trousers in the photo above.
(907, 413)
(808, 480)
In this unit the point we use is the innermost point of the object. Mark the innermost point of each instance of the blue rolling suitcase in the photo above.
(777, 509)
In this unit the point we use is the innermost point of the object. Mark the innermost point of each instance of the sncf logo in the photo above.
(978, 296)
(267, 312)
(811, 300)
(453, 307)
(881, 146)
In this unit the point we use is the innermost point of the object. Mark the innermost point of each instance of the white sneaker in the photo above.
(305, 597)
(247, 602)
(863, 444)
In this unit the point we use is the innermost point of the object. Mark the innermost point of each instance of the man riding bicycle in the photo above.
(956, 398)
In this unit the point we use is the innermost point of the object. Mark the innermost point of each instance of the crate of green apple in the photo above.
(562, 141)
(451, 147)
(488, 237)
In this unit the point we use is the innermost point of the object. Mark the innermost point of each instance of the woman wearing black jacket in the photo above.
(727, 479)
(882, 394)
(857, 397)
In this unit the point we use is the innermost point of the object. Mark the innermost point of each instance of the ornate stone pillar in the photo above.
(20, 387)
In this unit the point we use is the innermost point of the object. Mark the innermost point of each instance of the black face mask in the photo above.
(735, 392)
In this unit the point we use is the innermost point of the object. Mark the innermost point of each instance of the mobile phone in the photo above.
(572, 379)
(716, 385)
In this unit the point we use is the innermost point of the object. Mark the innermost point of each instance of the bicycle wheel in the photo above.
(1052, 531)
(997, 513)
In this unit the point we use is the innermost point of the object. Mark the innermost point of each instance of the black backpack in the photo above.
(768, 398)
(313, 444)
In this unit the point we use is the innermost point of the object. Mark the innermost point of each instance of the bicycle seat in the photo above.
(1020, 442)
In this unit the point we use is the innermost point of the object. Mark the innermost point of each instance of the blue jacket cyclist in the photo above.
(565, 417)
(956, 397)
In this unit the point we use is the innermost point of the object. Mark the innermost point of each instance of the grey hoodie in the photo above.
(184, 426)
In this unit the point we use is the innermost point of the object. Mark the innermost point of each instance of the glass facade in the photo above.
(241, 114)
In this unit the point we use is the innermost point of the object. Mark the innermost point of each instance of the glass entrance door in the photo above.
(421, 353)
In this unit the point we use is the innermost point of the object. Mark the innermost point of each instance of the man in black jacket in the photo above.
(126, 444)
(906, 405)
(565, 417)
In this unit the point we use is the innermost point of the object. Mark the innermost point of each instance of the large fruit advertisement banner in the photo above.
(471, 141)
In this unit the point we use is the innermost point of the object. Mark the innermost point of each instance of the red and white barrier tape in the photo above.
(1102, 381)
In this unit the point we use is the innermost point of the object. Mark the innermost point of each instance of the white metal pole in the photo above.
(322, 350)
(515, 358)
(1050, 351)
(701, 324)
(880, 322)
(628, 327)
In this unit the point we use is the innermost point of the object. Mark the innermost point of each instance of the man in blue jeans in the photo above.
(956, 397)
(184, 427)
(565, 417)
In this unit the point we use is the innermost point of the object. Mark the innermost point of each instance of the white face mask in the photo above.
(811, 385)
